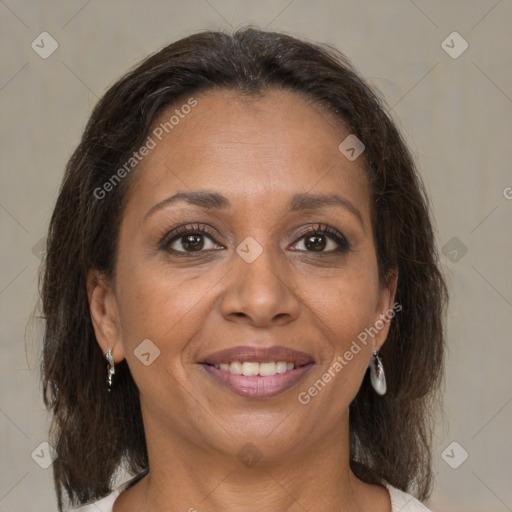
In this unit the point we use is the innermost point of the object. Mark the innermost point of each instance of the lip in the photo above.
(257, 386)
(259, 355)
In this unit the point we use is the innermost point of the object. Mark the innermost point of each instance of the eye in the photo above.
(188, 239)
(198, 238)
(323, 239)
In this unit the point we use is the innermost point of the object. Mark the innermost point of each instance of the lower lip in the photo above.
(258, 386)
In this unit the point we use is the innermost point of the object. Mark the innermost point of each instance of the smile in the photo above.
(251, 368)
(257, 372)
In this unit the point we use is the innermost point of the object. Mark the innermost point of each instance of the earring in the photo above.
(378, 378)
(111, 369)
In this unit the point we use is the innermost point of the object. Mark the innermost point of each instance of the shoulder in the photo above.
(106, 504)
(403, 502)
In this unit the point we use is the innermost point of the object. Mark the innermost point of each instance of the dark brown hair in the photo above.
(95, 432)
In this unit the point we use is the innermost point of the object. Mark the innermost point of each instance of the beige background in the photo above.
(456, 113)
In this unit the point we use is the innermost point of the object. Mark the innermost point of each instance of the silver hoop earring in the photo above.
(378, 378)
(111, 369)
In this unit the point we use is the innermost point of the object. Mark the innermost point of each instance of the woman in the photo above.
(242, 295)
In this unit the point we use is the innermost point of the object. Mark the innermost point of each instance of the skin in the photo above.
(257, 153)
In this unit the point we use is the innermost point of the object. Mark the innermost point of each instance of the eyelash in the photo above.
(320, 229)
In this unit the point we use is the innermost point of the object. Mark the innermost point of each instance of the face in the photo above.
(237, 287)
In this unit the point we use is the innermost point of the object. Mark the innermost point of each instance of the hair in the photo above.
(95, 432)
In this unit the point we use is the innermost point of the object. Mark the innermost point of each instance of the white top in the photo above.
(400, 501)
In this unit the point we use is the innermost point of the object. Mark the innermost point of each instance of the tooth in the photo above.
(267, 369)
(249, 369)
(280, 366)
(236, 368)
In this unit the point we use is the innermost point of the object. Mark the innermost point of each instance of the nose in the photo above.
(260, 292)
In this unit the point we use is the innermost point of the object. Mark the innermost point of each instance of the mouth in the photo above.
(258, 372)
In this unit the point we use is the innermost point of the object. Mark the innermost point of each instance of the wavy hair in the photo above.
(95, 432)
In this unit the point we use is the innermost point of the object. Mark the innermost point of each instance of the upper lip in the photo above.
(259, 355)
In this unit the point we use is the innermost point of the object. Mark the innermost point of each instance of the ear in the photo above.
(104, 314)
(386, 309)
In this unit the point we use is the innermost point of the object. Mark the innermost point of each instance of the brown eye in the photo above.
(315, 242)
(192, 242)
(189, 239)
(322, 239)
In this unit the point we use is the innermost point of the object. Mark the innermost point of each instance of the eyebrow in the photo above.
(299, 202)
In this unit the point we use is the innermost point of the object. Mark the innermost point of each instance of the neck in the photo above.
(184, 476)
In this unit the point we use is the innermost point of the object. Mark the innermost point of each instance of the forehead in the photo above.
(259, 148)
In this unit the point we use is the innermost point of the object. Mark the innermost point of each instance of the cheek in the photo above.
(149, 305)
(154, 305)
(344, 308)
(345, 313)
(345, 303)
(161, 304)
